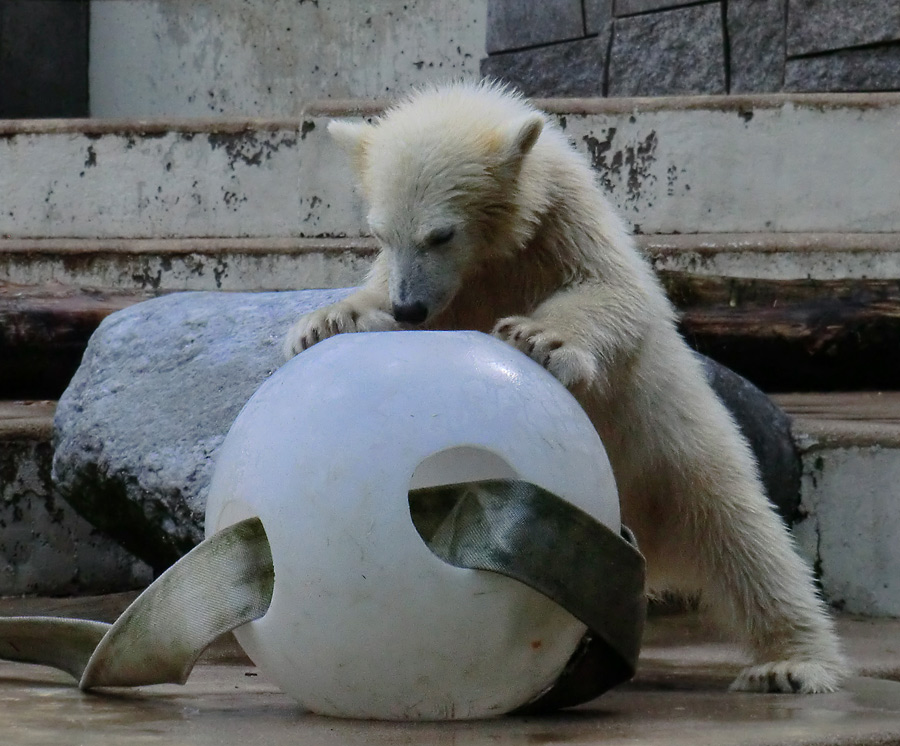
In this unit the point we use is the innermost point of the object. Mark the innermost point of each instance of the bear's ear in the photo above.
(521, 134)
(351, 136)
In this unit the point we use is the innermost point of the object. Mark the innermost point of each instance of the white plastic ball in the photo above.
(365, 620)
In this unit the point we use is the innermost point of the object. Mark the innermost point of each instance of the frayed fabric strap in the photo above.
(521, 530)
(509, 527)
(220, 584)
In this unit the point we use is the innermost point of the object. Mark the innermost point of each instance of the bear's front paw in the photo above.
(339, 318)
(790, 676)
(572, 364)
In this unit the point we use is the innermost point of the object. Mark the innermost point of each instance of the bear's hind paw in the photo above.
(790, 676)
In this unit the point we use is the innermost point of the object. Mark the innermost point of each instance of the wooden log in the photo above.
(795, 335)
(43, 334)
(784, 335)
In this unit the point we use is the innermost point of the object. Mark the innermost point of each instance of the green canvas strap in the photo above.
(220, 584)
(509, 527)
(520, 530)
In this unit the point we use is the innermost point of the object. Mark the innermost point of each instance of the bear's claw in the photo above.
(790, 676)
(571, 364)
(339, 318)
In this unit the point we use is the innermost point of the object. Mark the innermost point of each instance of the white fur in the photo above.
(538, 257)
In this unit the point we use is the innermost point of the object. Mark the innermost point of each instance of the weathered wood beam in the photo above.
(43, 334)
(784, 335)
(795, 335)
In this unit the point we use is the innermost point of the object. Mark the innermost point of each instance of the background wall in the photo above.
(153, 58)
(185, 58)
(671, 47)
(43, 58)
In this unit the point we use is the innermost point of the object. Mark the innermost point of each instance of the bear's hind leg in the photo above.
(755, 583)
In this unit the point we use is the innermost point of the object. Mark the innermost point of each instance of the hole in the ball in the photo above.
(430, 509)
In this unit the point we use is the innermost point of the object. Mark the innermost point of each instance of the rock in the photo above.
(672, 52)
(573, 68)
(768, 430)
(756, 45)
(512, 24)
(826, 25)
(159, 385)
(138, 429)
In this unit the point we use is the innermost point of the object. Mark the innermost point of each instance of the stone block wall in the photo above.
(678, 47)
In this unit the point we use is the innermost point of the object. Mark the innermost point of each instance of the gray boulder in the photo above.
(767, 428)
(161, 382)
(158, 387)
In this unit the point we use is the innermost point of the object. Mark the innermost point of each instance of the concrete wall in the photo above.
(152, 58)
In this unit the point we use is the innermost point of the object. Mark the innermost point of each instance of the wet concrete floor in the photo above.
(679, 698)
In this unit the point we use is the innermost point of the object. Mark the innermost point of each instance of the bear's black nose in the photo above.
(410, 313)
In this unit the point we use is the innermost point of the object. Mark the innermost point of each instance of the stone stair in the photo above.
(736, 164)
(773, 220)
(791, 311)
(850, 450)
(849, 446)
(45, 546)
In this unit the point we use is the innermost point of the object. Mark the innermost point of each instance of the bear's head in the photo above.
(444, 176)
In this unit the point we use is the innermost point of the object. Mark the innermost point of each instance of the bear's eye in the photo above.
(440, 236)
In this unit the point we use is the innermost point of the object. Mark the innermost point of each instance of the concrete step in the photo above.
(45, 546)
(732, 164)
(289, 263)
(679, 697)
(165, 265)
(849, 444)
(811, 311)
(777, 256)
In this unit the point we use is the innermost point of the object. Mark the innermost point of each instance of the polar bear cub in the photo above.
(488, 219)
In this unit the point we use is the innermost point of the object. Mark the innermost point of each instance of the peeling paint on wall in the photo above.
(250, 147)
(677, 170)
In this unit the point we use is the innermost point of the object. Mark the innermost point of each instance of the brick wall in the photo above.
(676, 47)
